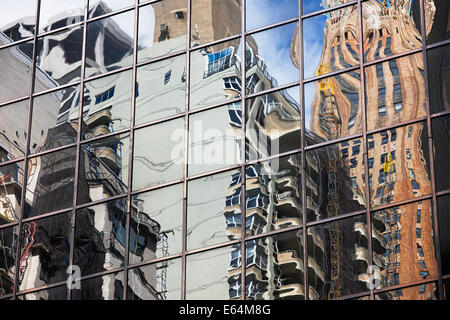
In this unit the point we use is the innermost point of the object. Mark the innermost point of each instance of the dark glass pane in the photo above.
(13, 132)
(8, 247)
(335, 182)
(437, 20)
(161, 89)
(333, 107)
(162, 28)
(214, 139)
(399, 164)
(103, 168)
(214, 213)
(56, 14)
(58, 60)
(446, 289)
(395, 91)
(273, 195)
(159, 281)
(109, 287)
(109, 44)
(330, 41)
(11, 184)
(274, 268)
(426, 291)
(101, 7)
(439, 78)
(50, 182)
(100, 237)
(443, 214)
(441, 152)
(158, 154)
(337, 258)
(215, 74)
(45, 252)
(271, 59)
(17, 19)
(156, 224)
(273, 124)
(316, 5)
(16, 65)
(54, 121)
(218, 280)
(214, 20)
(56, 293)
(260, 13)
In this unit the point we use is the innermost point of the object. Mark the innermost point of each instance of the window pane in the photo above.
(437, 18)
(260, 13)
(426, 291)
(11, 184)
(439, 78)
(13, 137)
(441, 141)
(56, 293)
(316, 5)
(443, 205)
(156, 224)
(101, 7)
(8, 248)
(109, 287)
(56, 14)
(17, 19)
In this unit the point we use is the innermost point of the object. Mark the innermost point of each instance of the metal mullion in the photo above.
(326, 10)
(442, 193)
(113, 13)
(10, 162)
(160, 58)
(64, 28)
(14, 43)
(430, 150)
(15, 100)
(279, 88)
(215, 42)
(336, 218)
(9, 225)
(392, 57)
(274, 25)
(438, 44)
(27, 147)
(131, 152)
(243, 148)
(354, 296)
(406, 285)
(365, 147)
(78, 146)
(440, 114)
(303, 155)
(330, 74)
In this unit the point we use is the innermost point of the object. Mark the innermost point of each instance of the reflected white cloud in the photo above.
(265, 12)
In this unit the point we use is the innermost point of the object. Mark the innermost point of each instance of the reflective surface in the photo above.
(437, 20)
(11, 184)
(101, 7)
(316, 5)
(159, 281)
(220, 280)
(161, 89)
(426, 291)
(17, 19)
(8, 245)
(56, 293)
(156, 224)
(443, 203)
(214, 213)
(109, 287)
(438, 78)
(260, 13)
(54, 14)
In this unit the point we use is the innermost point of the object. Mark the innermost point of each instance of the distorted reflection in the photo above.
(441, 141)
(109, 287)
(55, 14)
(426, 291)
(439, 78)
(11, 184)
(260, 13)
(310, 6)
(17, 19)
(55, 293)
(437, 20)
(443, 203)
(8, 246)
(101, 7)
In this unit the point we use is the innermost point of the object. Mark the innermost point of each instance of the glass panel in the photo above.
(215, 74)
(58, 60)
(331, 41)
(335, 180)
(403, 245)
(107, 104)
(56, 14)
(101, 7)
(271, 59)
(337, 258)
(159, 281)
(45, 251)
(399, 164)
(218, 280)
(437, 20)
(443, 214)
(11, 184)
(103, 168)
(109, 287)
(161, 89)
(54, 121)
(214, 213)
(50, 182)
(156, 224)
(316, 5)
(439, 78)
(158, 154)
(274, 268)
(441, 141)
(273, 124)
(16, 65)
(162, 29)
(17, 19)
(446, 289)
(390, 29)
(109, 44)
(260, 13)
(214, 139)
(426, 291)
(333, 108)
(214, 20)
(13, 134)
(100, 237)
(8, 248)
(273, 195)
(395, 91)
(57, 293)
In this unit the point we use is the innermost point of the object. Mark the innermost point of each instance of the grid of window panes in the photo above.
(130, 157)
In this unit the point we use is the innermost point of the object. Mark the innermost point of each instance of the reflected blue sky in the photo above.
(262, 13)
(316, 5)
(312, 43)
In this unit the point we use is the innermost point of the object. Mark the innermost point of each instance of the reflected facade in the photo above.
(137, 137)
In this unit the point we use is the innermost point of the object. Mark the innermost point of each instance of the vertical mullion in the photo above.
(243, 149)
(78, 146)
(302, 155)
(430, 148)
(186, 148)
(131, 152)
(365, 148)
(26, 151)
